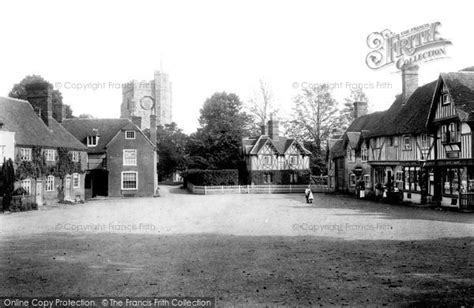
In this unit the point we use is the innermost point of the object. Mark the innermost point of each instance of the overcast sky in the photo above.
(209, 46)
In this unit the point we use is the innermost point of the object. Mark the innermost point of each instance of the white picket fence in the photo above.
(255, 189)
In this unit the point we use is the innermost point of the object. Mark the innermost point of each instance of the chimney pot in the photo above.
(137, 121)
(273, 128)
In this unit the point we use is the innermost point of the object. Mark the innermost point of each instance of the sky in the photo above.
(88, 49)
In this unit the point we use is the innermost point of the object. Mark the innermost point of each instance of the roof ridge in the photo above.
(15, 99)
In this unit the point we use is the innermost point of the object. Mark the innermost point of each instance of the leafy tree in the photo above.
(171, 143)
(19, 91)
(216, 143)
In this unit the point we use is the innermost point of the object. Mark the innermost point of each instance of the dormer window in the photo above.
(92, 141)
(130, 134)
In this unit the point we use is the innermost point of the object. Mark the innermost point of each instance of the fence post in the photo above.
(290, 189)
(205, 190)
(248, 189)
(269, 191)
(239, 189)
(222, 188)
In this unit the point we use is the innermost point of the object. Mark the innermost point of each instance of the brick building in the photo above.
(122, 161)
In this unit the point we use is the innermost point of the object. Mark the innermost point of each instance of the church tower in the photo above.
(140, 99)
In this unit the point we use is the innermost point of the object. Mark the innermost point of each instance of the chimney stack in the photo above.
(40, 96)
(360, 109)
(153, 128)
(273, 128)
(59, 112)
(137, 121)
(409, 81)
(263, 129)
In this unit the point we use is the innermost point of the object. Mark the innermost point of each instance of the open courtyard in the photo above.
(241, 249)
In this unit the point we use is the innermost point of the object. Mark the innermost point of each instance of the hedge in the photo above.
(211, 177)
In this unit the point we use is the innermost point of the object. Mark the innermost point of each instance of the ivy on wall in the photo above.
(37, 167)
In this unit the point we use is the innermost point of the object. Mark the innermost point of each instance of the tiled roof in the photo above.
(251, 146)
(18, 116)
(106, 129)
(408, 118)
(461, 88)
(337, 150)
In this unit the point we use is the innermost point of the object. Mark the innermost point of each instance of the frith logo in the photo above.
(419, 44)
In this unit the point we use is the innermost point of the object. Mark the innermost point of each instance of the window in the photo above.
(75, 156)
(352, 179)
(364, 153)
(443, 133)
(445, 99)
(350, 154)
(267, 159)
(390, 141)
(75, 180)
(267, 178)
(425, 141)
(129, 157)
(293, 160)
(366, 179)
(293, 178)
(451, 181)
(453, 133)
(129, 180)
(92, 141)
(407, 143)
(26, 185)
(399, 176)
(50, 183)
(412, 175)
(130, 134)
(50, 155)
(25, 154)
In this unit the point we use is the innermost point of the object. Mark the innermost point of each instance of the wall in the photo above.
(146, 166)
(7, 139)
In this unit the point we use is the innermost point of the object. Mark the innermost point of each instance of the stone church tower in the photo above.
(141, 99)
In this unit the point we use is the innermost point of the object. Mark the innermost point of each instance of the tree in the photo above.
(171, 143)
(8, 181)
(314, 121)
(261, 105)
(346, 116)
(19, 91)
(216, 143)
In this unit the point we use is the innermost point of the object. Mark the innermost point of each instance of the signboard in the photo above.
(409, 47)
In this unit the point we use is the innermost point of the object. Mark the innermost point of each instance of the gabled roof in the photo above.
(130, 126)
(366, 122)
(408, 118)
(19, 116)
(106, 129)
(353, 139)
(460, 86)
(251, 146)
(337, 150)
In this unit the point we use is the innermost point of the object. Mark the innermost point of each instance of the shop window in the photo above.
(411, 180)
(451, 181)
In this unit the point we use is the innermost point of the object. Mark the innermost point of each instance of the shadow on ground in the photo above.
(239, 269)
